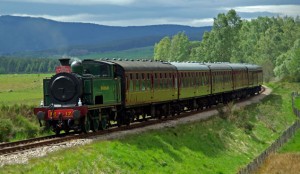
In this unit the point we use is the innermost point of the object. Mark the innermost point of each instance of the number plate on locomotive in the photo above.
(62, 112)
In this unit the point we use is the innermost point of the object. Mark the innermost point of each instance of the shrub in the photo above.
(6, 129)
(30, 129)
(226, 112)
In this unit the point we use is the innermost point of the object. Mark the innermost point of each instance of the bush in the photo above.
(227, 112)
(29, 129)
(6, 129)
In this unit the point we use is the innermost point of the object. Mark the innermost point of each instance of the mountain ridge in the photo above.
(28, 34)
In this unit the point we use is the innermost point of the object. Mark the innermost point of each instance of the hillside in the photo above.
(25, 35)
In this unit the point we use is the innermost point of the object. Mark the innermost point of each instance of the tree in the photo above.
(162, 49)
(294, 63)
(179, 47)
(219, 44)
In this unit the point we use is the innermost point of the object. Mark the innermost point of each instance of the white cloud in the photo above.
(65, 18)
(159, 21)
(289, 10)
(79, 2)
(99, 19)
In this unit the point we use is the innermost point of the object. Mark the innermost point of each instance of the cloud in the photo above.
(289, 10)
(160, 21)
(64, 18)
(78, 2)
(101, 20)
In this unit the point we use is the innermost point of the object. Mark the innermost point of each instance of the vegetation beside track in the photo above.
(219, 145)
(286, 160)
(297, 102)
(293, 145)
(17, 122)
(19, 93)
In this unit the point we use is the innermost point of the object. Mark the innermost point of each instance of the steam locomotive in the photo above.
(94, 94)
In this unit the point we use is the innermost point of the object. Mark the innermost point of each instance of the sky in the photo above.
(147, 12)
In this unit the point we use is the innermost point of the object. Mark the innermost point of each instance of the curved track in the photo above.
(18, 146)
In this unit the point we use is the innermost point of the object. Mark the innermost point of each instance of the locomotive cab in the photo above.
(101, 84)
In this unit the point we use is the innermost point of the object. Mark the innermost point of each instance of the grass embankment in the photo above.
(297, 102)
(288, 157)
(219, 145)
(286, 160)
(19, 93)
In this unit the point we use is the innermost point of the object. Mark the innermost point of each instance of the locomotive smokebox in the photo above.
(65, 61)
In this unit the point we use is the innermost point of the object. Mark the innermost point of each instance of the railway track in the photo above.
(19, 146)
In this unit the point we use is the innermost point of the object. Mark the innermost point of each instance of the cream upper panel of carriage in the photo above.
(181, 66)
(142, 66)
(253, 67)
(219, 66)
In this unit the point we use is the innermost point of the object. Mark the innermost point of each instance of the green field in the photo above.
(21, 88)
(213, 146)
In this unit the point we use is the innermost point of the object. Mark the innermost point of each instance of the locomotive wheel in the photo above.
(67, 131)
(95, 123)
(86, 125)
(57, 131)
(127, 120)
(119, 122)
(103, 124)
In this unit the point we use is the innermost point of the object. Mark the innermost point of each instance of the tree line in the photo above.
(27, 65)
(272, 42)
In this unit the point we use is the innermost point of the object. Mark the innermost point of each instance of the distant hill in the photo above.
(43, 37)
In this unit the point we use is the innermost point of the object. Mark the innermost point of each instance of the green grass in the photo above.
(19, 93)
(17, 122)
(297, 102)
(293, 145)
(136, 53)
(213, 146)
(21, 88)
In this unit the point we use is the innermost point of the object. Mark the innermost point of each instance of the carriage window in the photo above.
(100, 69)
(161, 81)
(143, 83)
(127, 82)
(156, 81)
(137, 82)
(131, 85)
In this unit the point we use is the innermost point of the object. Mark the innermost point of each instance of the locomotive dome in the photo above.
(77, 67)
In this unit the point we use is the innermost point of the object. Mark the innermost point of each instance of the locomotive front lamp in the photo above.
(42, 103)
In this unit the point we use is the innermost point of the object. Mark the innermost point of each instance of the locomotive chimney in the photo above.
(65, 61)
(64, 67)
